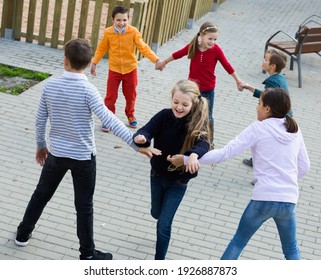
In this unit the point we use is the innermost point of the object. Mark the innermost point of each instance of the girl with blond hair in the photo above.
(184, 129)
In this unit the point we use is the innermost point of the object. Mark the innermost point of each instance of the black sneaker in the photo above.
(98, 255)
(248, 162)
(22, 238)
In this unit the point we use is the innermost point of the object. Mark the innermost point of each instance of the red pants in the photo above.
(129, 84)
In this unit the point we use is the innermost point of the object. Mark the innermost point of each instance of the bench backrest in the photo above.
(309, 40)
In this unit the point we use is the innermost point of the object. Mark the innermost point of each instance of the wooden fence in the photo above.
(54, 22)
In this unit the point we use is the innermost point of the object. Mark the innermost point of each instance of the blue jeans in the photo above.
(84, 179)
(209, 95)
(255, 214)
(166, 195)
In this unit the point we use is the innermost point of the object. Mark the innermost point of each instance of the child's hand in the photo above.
(140, 139)
(240, 85)
(160, 65)
(93, 69)
(177, 160)
(41, 156)
(248, 87)
(150, 151)
(192, 165)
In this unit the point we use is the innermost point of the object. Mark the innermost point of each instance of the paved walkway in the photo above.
(210, 211)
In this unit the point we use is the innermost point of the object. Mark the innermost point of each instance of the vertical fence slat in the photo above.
(96, 23)
(17, 21)
(43, 22)
(152, 12)
(184, 12)
(156, 40)
(4, 19)
(70, 20)
(83, 18)
(141, 24)
(31, 20)
(137, 15)
(187, 12)
(166, 16)
(125, 3)
(111, 5)
(177, 11)
(56, 24)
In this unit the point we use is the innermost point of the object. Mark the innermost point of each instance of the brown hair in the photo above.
(280, 105)
(206, 27)
(119, 10)
(277, 58)
(78, 52)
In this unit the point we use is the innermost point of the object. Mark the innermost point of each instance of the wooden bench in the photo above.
(307, 40)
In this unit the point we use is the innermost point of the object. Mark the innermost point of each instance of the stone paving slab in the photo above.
(215, 200)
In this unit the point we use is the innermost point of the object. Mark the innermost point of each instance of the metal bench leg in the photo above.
(291, 63)
(299, 71)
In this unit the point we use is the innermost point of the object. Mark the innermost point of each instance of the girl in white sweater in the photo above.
(280, 158)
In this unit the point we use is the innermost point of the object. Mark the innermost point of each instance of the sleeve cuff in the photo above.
(134, 146)
(185, 160)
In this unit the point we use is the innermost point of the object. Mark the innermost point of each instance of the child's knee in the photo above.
(155, 214)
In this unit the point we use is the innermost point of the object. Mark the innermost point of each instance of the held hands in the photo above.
(160, 65)
(248, 87)
(192, 165)
(177, 160)
(150, 151)
(240, 85)
(244, 85)
(41, 156)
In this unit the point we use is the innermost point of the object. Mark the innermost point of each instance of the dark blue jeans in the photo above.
(84, 179)
(255, 214)
(166, 195)
(209, 95)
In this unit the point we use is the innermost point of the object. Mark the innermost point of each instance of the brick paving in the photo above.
(215, 200)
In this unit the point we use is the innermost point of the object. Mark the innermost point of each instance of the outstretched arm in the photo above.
(243, 141)
(239, 83)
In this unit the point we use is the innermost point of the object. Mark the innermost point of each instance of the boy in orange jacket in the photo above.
(120, 41)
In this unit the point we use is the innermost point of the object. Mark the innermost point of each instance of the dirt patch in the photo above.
(9, 82)
(16, 85)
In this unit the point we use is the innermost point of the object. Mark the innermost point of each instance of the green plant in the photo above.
(28, 79)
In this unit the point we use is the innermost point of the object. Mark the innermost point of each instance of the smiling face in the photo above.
(181, 104)
(120, 20)
(208, 39)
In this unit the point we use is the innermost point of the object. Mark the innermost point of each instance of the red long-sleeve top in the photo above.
(202, 66)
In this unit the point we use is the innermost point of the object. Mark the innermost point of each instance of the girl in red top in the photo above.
(204, 54)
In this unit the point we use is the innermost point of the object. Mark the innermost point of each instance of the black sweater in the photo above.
(169, 134)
